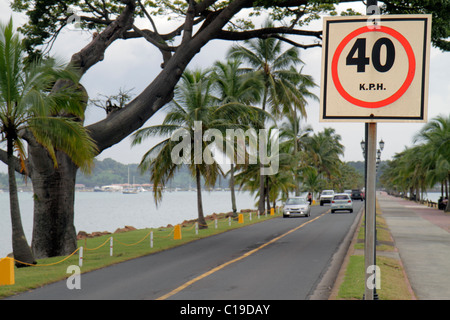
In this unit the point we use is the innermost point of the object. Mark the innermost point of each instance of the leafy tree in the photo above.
(28, 108)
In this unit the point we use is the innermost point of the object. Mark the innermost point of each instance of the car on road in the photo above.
(357, 195)
(326, 196)
(341, 201)
(296, 206)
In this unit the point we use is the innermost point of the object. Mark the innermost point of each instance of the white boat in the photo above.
(130, 191)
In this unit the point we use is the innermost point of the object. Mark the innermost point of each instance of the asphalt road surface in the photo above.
(280, 259)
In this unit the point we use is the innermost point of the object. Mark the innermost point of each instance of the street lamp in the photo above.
(363, 148)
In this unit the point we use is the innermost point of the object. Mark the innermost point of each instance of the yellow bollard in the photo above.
(177, 232)
(240, 218)
(6, 271)
(272, 211)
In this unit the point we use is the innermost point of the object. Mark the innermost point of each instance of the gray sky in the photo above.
(132, 64)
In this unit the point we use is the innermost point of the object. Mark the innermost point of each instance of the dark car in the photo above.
(357, 195)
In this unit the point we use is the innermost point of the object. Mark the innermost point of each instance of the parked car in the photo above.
(296, 206)
(326, 196)
(357, 195)
(341, 201)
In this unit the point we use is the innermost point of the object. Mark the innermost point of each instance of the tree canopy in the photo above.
(47, 18)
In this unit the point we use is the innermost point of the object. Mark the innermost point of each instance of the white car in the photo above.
(296, 206)
(326, 196)
(341, 201)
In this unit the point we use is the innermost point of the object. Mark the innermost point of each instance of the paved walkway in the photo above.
(422, 236)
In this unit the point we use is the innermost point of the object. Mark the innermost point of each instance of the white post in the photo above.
(111, 246)
(80, 257)
(151, 239)
(229, 221)
(196, 228)
(250, 216)
(215, 223)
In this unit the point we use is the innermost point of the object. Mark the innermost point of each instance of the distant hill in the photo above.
(359, 166)
(109, 171)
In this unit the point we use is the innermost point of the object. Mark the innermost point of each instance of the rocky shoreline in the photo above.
(211, 217)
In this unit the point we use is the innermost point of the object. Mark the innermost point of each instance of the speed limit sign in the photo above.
(375, 68)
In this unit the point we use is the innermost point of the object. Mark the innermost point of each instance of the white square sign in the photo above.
(375, 68)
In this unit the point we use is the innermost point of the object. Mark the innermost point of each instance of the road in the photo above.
(280, 259)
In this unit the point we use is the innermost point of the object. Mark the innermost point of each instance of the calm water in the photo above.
(105, 211)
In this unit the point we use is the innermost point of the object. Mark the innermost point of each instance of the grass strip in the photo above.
(394, 284)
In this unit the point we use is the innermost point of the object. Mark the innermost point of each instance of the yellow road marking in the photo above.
(204, 275)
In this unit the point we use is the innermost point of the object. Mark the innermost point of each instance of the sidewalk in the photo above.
(422, 236)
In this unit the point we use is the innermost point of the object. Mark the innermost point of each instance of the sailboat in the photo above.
(130, 190)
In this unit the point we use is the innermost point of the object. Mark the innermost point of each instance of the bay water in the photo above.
(107, 211)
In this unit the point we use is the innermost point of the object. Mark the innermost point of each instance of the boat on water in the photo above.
(130, 191)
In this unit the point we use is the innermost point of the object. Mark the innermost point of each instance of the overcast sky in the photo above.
(132, 64)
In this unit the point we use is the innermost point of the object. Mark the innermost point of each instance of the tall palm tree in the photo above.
(236, 87)
(29, 111)
(277, 71)
(194, 108)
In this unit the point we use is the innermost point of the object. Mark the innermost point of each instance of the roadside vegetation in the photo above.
(424, 165)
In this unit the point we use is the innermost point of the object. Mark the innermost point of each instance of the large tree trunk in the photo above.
(54, 194)
(21, 249)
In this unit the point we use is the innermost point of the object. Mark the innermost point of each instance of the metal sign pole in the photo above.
(370, 214)
(369, 250)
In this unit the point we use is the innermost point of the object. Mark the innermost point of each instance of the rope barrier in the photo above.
(98, 246)
(133, 244)
(111, 239)
(49, 264)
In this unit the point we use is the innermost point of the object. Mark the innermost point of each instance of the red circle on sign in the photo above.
(409, 78)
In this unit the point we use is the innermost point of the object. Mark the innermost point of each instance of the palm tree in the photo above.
(323, 150)
(435, 136)
(293, 136)
(194, 108)
(276, 69)
(237, 88)
(29, 111)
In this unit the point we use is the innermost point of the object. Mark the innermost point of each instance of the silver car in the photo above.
(296, 206)
(341, 201)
